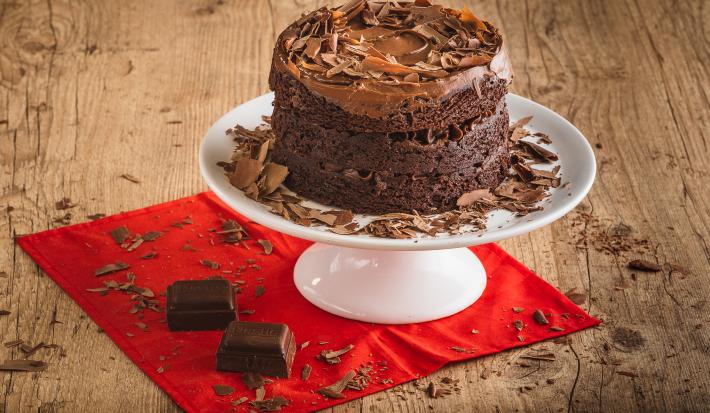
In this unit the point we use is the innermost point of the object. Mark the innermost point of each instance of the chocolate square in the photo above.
(200, 305)
(264, 348)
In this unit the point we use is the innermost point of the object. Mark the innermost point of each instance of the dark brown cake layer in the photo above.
(415, 114)
(387, 192)
(424, 152)
(373, 173)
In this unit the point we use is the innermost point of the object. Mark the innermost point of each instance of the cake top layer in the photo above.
(371, 56)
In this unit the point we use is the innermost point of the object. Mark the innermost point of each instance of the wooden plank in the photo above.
(90, 91)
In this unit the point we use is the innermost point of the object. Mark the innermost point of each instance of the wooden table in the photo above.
(90, 90)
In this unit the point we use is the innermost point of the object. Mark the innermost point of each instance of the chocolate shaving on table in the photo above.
(23, 365)
(643, 265)
(232, 232)
(259, 393)
(142, 297)
(131, 178)
(334, 391)
(540, 318)
(253, 380)
(266, 245)
(333, 356)
(576, 297)
(306, 372)
(361, 380)
(520, 192)
(240, 400)
(151, 236)
(273, 404)
(64, 203)
(222, 389)
(210, 264)
(64, 219)
(13, 343)
(120, 234)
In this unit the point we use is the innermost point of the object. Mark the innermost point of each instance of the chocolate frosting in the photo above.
(374, 58)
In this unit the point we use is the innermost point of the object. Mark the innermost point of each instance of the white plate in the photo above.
(577, 162)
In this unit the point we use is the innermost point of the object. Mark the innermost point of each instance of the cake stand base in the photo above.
(389, 287)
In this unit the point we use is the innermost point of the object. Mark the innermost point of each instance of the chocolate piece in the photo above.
(257, 347)
(200, 305)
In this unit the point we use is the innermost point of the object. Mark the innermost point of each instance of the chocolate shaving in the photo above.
(306, 372)
(575, 297)
(210, 264)
(64, 203)
(23, 365)
(540, 318)
(643, 265)
(151, 236)
(539, 151)
(333, 356)
(270, 405)
(334, 391)
(470, 198)
(120, 234)
(246, 172)
(111, 268)
(253, 380)
(222, 389)
(266, 245)
(131, 178)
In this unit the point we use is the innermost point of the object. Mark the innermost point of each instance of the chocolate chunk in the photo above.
(257, 347)
(200, 305)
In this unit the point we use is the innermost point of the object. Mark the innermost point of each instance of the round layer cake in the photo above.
(390, 106)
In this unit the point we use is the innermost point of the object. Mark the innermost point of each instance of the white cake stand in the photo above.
(401, 281)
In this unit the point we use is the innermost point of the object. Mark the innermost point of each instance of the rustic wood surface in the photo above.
(90, 90)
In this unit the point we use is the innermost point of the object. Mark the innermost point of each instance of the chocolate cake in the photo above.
(384, 106)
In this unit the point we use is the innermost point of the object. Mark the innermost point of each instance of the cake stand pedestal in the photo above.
(391, 287)
(399, 281)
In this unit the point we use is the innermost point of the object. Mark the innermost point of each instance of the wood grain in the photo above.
(90, 90)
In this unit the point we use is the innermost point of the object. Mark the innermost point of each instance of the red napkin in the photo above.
(183, 363)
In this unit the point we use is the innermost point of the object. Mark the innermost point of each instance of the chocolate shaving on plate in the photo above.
(520, 193)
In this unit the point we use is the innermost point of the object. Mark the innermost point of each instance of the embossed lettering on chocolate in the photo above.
(390, 106)
(264, 348)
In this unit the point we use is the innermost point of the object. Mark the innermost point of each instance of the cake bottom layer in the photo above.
(383, 187)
